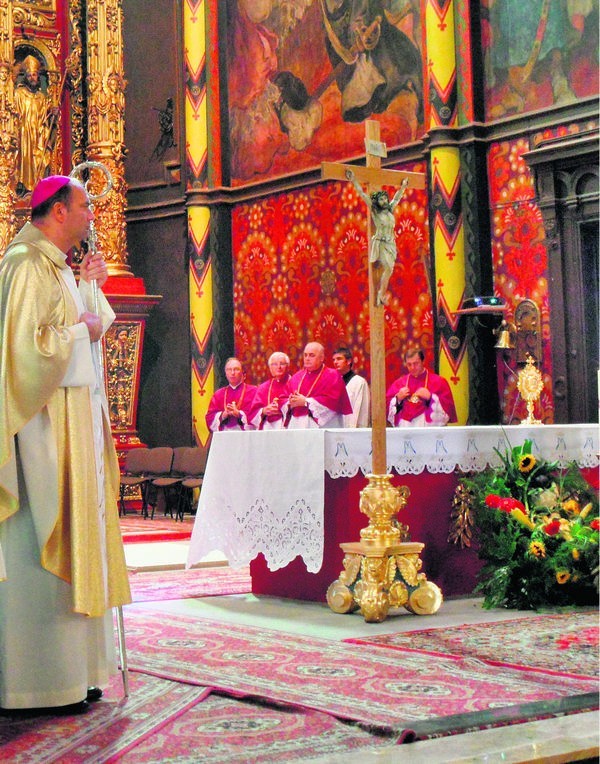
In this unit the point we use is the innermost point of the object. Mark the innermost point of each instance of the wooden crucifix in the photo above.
(381, 261)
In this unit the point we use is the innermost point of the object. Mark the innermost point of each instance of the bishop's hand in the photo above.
(93, 268)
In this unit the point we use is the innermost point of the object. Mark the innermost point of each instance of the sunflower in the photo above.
(562, 576)
(526, 463)
(537, 549)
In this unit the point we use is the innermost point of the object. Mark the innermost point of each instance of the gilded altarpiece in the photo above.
(62, 103)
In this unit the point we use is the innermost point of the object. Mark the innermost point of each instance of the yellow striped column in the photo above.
(445, 206)
(200, 278)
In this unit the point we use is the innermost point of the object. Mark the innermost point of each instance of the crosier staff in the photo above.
(77, 172)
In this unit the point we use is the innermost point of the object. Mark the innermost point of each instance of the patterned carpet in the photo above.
(164, 721)
(110, 728)
(390, 690)
(136, 529)
(239, 694)
(154, 586)
(564, 644)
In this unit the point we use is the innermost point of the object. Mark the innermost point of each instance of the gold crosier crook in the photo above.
(77, 173)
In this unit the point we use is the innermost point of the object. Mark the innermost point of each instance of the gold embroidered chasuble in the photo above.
(39, 321)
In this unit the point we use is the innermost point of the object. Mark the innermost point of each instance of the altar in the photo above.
(283, 501)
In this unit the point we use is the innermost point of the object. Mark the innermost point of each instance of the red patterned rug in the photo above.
(169, 721)
(136, 529)
(564, 644)
(389, 690)
(157, 585)
(185, 720)
(106, 732)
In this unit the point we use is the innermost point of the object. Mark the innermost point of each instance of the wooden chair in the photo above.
(194, 463)
(160, 461)
(134, 475)
(169, 484)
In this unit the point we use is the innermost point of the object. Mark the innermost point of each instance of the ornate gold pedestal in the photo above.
(381, 571)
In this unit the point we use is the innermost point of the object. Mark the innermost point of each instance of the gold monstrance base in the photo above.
(381, 571)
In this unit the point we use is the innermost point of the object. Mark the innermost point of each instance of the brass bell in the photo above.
(505, 339)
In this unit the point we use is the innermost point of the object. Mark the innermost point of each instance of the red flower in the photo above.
(508, 504)
(595, 524)
(505, 504)
(493, 500)
(551, 529)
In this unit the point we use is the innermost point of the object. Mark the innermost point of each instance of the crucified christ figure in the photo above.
(383, 243)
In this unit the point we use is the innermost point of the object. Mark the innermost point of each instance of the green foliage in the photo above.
(537, 531)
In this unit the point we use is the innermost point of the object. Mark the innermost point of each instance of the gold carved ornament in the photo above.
(530, 384)
(382, 570)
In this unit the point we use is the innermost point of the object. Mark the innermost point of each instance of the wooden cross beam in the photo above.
(374, 176)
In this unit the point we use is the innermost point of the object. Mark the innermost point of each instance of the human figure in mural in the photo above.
(299, 114)
(383, 242)
(373, 58)
(528, 40)
(34, 111)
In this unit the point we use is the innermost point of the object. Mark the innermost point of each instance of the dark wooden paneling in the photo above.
(152, 60)
(158, 255)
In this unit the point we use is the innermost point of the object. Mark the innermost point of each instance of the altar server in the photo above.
(356, 387)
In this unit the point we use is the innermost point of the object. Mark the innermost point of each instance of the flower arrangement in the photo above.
(537, 527)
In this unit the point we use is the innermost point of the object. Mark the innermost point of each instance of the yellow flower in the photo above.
(575, 553)
(562, 576)
(586, 510)
(537, 549)
(572, 506)
(526, 462)
(521, 517)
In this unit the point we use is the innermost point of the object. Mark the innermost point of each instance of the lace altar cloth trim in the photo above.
(411, 450)
(262, 492)
(265, 491)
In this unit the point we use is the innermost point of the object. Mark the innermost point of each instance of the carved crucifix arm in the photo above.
(399, 194)
(357, 186)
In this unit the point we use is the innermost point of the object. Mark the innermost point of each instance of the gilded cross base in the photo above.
(381, 571)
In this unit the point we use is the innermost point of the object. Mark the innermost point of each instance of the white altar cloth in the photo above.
(264, 491)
